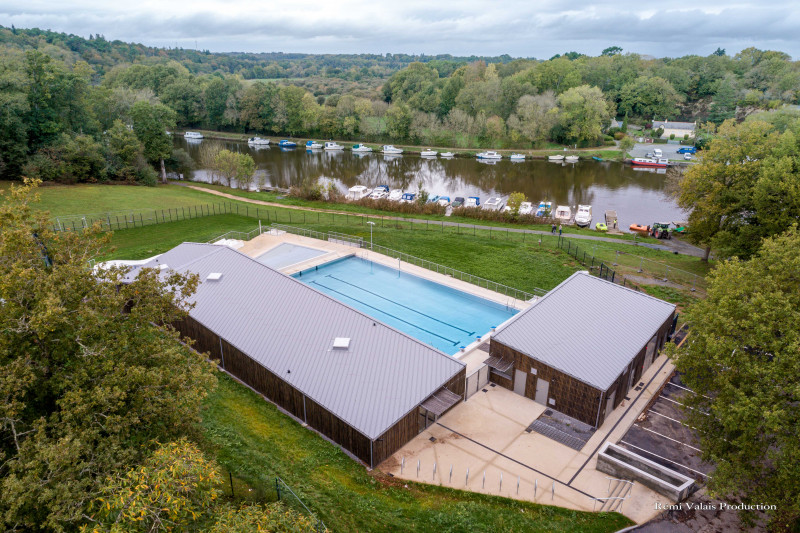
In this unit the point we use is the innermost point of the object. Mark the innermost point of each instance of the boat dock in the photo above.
(611, 222)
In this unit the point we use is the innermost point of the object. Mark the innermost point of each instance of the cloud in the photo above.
(519, 28)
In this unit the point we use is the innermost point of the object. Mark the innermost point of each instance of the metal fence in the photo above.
(596, 266)
(291, 499)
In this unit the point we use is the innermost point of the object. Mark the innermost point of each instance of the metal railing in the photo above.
(239, 235)
(288, 496)
(613, 499)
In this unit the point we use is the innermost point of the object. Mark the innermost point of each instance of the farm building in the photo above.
(581, 347)
(679, 129)
(364, 385)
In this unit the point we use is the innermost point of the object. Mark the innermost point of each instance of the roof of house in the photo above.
(668, 124)
(286, 326)
(587, 328)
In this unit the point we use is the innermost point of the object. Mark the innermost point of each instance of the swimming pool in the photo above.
(286, 254)
(438, 315)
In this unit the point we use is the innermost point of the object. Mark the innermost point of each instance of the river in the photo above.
(637, 196)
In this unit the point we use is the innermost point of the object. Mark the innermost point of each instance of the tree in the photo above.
(235, 166)
(583, 111)
(611, 51)
(87, 379)
(515, 199)
(398, 121)
(742, 361)
(151, 123)
(719, 52)
(649, 97)
(626, 144)
(534, 117)
(185, 97)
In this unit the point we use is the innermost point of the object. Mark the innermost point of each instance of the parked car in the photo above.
(687, 156)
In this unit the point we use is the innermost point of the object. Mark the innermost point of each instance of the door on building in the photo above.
(610, 404)
(520, 379)
(542, 390)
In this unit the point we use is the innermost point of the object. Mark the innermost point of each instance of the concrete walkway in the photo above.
(680, 247)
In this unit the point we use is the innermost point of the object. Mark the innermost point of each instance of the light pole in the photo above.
(370, 233)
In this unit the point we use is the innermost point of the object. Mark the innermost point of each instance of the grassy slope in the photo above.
(255, 442)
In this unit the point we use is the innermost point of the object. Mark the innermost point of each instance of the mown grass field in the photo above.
(255, 442)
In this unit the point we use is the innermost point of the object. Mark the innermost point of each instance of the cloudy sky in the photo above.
(521, 28)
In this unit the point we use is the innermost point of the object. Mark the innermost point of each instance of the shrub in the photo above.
(672, 136)
(659, 132)
(385, 204)
(686, 137)
(619, 135)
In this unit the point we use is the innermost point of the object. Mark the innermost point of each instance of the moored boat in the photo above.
(429, 153)
(472, 201)
(192, 135)
(380, 192)
(544, 209)
(357, 192)
(563, 214)
(332, 146)
(287, 144)
(557, 158)
(493, 204)
(650, 162)
(313, 145)
(444, 201)
(600, 227)
(458, 201)
(408, 198)
(396, 195)
(583, 218)
(639, 228)
(390, 149)
(517, 157)
(489, 155)
(257, 141)
(361, 148)
(448, 154)
(571, 159)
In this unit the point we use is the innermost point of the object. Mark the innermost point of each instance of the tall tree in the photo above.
(583, 112)
(151, 123)
(743, 362)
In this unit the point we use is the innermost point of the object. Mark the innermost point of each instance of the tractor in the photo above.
(661, 230)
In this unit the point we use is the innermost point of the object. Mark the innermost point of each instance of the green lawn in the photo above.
(255, 442)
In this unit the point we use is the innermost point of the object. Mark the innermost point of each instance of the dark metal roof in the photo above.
(289, 328)
(499, 363)
(440, 401)
(587, 328)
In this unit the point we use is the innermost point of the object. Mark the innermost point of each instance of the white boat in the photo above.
(429, 153)
(389, 149)
(472, 201)
(493, 204)
(563, 214)
(517, 157)
(443, 201)
(571, 159)
(257, 141)
(192, 135)
(525, 208)
(448, 154)
(396, 195)
(332, 146)
(357, 192)
(544, 209)
(313, 145)
(361, 149)
(558, 158)
(379, 193)
(489, 155)
(583, 218)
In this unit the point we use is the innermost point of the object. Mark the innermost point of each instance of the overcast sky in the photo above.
(521, 28)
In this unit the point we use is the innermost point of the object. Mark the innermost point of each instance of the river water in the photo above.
(637, 196)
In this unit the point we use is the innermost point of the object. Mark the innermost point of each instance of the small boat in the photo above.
(361, 148)
(379, 193)
(650, 162)
(407, 198)
(680, 227)
(544, 209)
(443, 201)
(458, 201)
(600, 227)
(472, 201)
(517, 157)
(287, 144)
(597, 158)
(429, 153)
(313, 145)
(433, 199)
(583, 218)
(448, 154)
(192, 135)
(493, 204)
(489, 155)
(640, 228)
(333, 146)
(571, 159)
(525, 208)
(557, 158)
(257, 141)
(389, 149)
(396, 195)
(358, 192)
(563, 214)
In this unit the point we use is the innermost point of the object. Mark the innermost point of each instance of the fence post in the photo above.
(278, 489)
(450, 481)
(418, 467)
(466, 482)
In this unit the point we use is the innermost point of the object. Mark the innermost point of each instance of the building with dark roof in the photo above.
(361, 383)
(581, 347)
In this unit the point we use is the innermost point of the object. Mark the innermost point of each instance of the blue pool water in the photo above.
(443, 317)
(286, 254)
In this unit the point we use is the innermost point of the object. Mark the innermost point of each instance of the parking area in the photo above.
(670, 151)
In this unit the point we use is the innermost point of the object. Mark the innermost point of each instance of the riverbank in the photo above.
(603, 152)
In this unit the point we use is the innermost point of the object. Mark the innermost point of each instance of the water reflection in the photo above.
(638, 196)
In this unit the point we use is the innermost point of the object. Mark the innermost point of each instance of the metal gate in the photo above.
(477, 380)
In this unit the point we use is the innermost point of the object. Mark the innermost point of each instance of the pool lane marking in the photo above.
(470, 333)
(384, 312)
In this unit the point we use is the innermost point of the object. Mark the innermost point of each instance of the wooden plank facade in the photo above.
(304, 408)
(568, 394)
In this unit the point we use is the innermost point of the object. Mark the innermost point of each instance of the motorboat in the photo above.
(408, 198)
(571, 159)
(493, 204)
(443, 201)
(389, 149)
(640, 228)
(563, 214)
(192, 135)
(287, 144)
(333, 146)
(544, 209)
(556, 158)
(600, 226)
(396, 195)
(489, 155)
(458, 202)
(447, 154)
(379, 193)
(429, 153)
(525, 208)
(583, 218)
(650, 162)
(257, 141)
(313, 145)
(357, 192)
(517, 157)
(472, 201)
(361, 148)
(433, 199)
